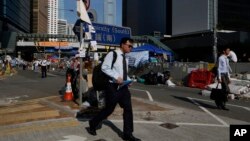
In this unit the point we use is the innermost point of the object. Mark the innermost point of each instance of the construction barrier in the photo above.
(200, 78)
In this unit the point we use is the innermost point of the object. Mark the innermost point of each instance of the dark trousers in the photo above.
(224, 85)
(44, 71)
(74, 78)
(114, 96)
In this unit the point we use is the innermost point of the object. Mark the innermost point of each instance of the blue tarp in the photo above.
(151, 48)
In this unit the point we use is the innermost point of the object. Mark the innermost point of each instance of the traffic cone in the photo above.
(68, 93)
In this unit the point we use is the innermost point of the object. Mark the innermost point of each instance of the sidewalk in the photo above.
(50, 119)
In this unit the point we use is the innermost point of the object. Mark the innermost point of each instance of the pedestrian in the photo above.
(43, 64)
(113, 95)
(36, 65)
(224, 70)
(75, 66)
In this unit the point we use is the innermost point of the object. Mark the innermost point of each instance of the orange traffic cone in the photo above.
(68, 93)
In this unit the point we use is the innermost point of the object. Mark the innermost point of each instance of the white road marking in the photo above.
(208, 112)
(73, 138)
(246, 108)
(147, 92)
(138, 121)
(177, 123)
(200, 124)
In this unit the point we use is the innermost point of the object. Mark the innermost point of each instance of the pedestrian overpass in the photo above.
(46, 40)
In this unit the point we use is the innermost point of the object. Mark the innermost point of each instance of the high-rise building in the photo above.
(39, 20)
(52, 16)
(70, 29)
(191, 24)
(15, 15)
(14, 18)
(106, 11)
(62, 22)
(181, 17)
(62, 26)
(234, 15)
(145, 17)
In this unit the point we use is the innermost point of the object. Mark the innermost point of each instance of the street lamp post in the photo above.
(81, 63)
(59, 52)
(215, 31)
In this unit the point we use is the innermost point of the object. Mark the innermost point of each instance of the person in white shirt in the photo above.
(36, 64)
(224, 70)
(43, 64)
(114, 94)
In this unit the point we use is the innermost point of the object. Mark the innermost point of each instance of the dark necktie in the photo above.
(124, 63)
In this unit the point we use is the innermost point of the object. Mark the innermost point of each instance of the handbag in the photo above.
(218, 94)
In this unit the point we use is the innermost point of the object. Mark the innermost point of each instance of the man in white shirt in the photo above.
(224, 70)
(43, 64)
(114, 94)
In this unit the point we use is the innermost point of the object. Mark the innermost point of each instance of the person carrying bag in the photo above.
(116, 91)
(223, 78)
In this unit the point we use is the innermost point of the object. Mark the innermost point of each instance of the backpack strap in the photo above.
(114, 59)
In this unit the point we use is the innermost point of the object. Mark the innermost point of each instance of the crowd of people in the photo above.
(8, 65)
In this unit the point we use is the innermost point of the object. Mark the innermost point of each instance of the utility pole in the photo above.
(81, 63)
(59, 52)
(215, 30)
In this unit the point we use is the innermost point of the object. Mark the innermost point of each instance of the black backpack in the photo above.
(99, 78)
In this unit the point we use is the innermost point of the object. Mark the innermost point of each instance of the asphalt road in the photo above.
(179, 96)
(29, 85)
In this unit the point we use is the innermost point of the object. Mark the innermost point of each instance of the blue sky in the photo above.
(95, 4)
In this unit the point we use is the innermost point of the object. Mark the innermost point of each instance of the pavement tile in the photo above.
(8, 110)
(37, 126)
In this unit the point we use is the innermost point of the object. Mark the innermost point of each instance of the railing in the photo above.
(179, 71)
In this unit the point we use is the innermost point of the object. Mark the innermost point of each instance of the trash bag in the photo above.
(160, 78)
(151, 78)
(166, 75)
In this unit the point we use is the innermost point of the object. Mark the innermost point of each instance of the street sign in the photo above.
(109, 34)
(104, 34)
(82, 53)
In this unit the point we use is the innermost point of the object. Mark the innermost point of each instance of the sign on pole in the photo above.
(104, 34)
(108, 34)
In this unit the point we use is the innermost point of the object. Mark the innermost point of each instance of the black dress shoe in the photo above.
(91, 131)
(131, 138)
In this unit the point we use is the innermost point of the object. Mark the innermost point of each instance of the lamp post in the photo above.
(215, 31)
(59, 52)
